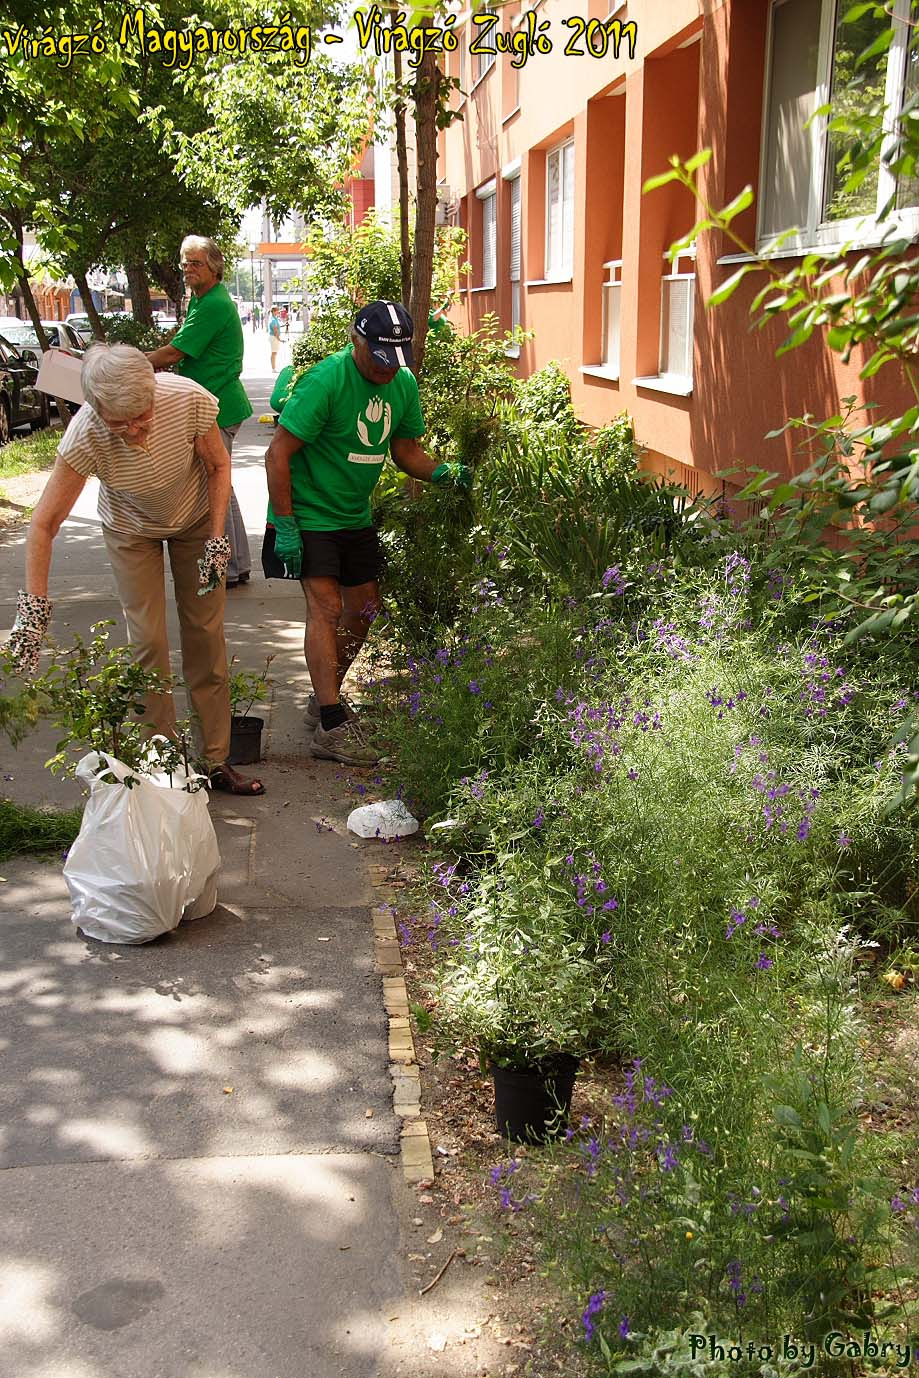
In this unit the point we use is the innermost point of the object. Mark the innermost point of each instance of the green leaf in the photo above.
(727, 289)
(660, 180)
(698, 160)
(741, 201)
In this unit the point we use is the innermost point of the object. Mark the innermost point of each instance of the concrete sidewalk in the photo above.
(199, 1153)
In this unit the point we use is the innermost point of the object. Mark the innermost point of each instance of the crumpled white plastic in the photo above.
(387, 819)
(146, 855)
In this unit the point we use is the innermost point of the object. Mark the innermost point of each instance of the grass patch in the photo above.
(29, 454)
(35, 832)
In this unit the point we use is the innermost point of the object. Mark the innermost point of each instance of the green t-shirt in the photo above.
(347, 425)
(211, 341)
(281, 388)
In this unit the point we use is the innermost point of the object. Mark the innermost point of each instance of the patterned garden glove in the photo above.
(213, 564)
(288, 545)
(451, 472)
(33, 614)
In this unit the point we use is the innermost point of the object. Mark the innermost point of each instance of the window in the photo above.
(483, 38)
(678, 291)
(612, 293)
(560, 212)
(813, 62)
(488, 199)
(514, 267)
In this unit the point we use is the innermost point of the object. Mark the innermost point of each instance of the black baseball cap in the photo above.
(388, 329)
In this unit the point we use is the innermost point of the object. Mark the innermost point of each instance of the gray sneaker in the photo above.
(312, 717)
(346, 743)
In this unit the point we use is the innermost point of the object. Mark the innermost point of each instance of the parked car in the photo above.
(80, 321)
(21, 403)
(60, 335)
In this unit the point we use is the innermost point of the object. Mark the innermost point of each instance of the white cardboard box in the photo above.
(59, 375)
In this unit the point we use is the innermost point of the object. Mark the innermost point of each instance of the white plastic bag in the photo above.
(390, 818)
(146, 855)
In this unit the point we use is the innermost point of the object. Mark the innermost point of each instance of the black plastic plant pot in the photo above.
(532, 1104)
(245, 740)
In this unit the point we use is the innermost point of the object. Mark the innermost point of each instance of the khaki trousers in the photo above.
(139, 569)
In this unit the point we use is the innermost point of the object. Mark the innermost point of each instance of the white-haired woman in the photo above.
(164, 480)
(208, 347)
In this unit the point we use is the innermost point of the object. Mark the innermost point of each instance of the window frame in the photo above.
(515, 239)
(485, 60)
(820, 232)
(563, 271)
(487, 195)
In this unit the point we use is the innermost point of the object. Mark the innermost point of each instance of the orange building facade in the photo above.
(545, 171)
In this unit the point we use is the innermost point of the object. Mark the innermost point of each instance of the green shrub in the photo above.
(127, 330)
(671, 846)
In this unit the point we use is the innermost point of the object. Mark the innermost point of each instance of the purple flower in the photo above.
(594, 1304)
(842, 841)
(667, 1156)
(737, 917)
(624, 1325)
(605, 937)
(475, 687)
(763, 963)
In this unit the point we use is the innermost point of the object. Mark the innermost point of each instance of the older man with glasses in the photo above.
(208, 347)
(164, 472)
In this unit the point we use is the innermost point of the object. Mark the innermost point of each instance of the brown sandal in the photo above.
(229, 781)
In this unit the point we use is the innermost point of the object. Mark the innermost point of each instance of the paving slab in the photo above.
(221, 1267)
(249, 1031)
(198, 1152)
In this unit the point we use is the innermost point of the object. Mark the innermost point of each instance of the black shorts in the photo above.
(350, 557)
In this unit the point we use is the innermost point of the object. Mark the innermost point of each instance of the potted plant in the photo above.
(146, 855)
(525, 985)
(247, 687)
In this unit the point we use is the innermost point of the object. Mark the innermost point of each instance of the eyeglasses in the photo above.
(136, 424)
(194, 263)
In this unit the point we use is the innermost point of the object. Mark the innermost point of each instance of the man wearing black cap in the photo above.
(339, 423)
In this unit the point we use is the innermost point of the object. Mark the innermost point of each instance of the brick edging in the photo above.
(417, 1162)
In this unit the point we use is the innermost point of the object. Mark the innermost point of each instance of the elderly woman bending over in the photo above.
(164, 480)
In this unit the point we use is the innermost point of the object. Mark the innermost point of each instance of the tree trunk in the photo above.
(90, 305)
(22, 278)
(427, 91)
(141, 304)
(172, 284)
(405, 243)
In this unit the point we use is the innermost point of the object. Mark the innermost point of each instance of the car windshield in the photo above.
(22, 336)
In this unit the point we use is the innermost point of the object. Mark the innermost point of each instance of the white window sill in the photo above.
(512, 352)
(548, 282)
(490, 288)
(847, 236)
(674, 383)
(606, 371)
(505, 119)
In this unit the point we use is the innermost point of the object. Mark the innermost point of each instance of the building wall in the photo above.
(696, 80)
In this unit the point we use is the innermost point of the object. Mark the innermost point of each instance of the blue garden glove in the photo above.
(213, 565)
(288, 546)
(452, 472)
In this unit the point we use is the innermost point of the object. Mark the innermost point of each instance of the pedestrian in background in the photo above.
(274, 337)
(208, 348)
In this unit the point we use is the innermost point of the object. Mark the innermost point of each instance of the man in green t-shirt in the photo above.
(335, 430)
(208, 348)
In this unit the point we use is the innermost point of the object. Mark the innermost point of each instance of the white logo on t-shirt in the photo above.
(375, 411)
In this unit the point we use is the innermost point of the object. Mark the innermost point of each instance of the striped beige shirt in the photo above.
(157, 489)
